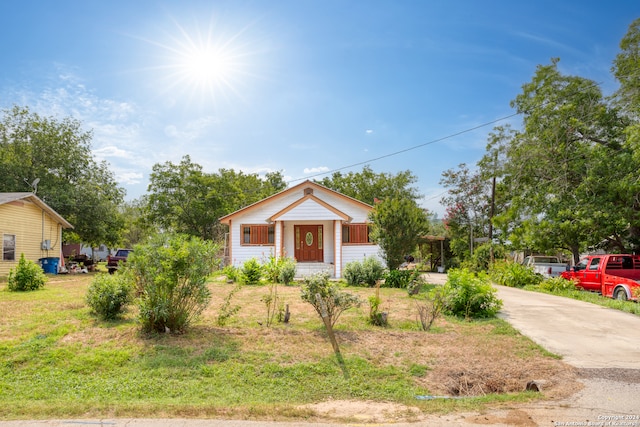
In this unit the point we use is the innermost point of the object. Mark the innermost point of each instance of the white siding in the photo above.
(308, 212)
(309, 209)
(359, 252)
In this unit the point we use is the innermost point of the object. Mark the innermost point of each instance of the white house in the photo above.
(319, 227)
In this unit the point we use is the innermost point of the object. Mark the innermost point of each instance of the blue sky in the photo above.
(305, 87)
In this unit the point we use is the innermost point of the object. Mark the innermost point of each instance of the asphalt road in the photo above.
(603, 343)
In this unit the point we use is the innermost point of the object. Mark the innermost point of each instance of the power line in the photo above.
(415, 147)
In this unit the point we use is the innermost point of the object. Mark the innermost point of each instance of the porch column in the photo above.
(278, 245)
(337, 262)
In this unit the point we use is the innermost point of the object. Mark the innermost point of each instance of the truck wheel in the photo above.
(620, 294)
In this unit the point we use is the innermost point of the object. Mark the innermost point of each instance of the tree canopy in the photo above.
(567, 180)
(369, 186)
(184, 199)
(71, 181)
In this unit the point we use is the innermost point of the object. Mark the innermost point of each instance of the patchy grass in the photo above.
(58, 361)
(594, 298)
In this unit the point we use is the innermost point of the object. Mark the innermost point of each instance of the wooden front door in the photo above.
(309, 245)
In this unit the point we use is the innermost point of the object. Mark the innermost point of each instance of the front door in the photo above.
(309, 243)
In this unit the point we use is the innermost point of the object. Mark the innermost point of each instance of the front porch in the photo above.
(304, 269)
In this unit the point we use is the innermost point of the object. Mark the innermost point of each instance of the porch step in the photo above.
(304, 269)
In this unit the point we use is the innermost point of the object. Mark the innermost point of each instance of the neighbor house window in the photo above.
(258, 234)
(9, 247)
(356, 233)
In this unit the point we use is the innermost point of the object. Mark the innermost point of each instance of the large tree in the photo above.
(562, 167)
(369, 186)
(184, 199)
(57, 153)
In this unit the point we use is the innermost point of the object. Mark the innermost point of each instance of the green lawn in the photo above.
(58, 361)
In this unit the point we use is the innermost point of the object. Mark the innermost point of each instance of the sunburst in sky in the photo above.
(207, 65)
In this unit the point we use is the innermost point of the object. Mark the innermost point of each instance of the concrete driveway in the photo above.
(584, 334)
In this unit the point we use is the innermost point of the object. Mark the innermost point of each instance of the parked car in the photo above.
(612, 275)
(113, 261)
(547, 266)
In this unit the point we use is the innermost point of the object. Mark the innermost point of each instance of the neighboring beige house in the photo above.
(321, 228)
(28, 226)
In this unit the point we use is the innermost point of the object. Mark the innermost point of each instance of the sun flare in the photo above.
(208, 65)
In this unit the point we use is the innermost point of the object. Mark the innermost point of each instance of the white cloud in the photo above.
(191, 130)
(319, 169)
(112, 151)
(368, 131)
(128, 177)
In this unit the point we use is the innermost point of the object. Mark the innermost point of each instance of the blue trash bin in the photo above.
(50, 264)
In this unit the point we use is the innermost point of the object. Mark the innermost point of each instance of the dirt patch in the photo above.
(365, 411)
(515, 417)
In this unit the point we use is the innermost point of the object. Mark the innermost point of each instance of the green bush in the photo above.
(514, 275)
(470, 295)
(373, 270)
(377, 317)
(335, 300)
(251, 272)
(353, 273)
(398, 278)
(170, 274)
(482, 259)
(108, 295)
(281, 270)
(558, 284)
(232, 273)
(367, 272)
(288, 269)
(27, 276)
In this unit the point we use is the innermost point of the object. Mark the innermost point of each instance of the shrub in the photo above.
(481, 260)
(431, 308)
(470, 295)
(287, 271)
(377, 317)
(251, 272)
(514, 275)
(367, 272)
(334, 300)
(232, 273)
(558, 284)
(226, 310)
(373, 270)
(398, 278)
(415, 284)
(353, 273)
(27, 276)
(108, 295)
(281, 270)
(170, 274)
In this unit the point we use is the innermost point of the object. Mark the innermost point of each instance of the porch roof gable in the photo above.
(314, 185)
(309, 207)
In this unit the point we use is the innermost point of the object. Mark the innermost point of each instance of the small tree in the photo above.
(27, 276)
(170, 274)
(336, 301)
(398, 226)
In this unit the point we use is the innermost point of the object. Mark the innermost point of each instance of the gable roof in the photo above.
(305, 184)
(13, 197)
(332, 212)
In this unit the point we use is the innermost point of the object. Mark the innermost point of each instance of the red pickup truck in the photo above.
(612, 275)
(113, 261)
